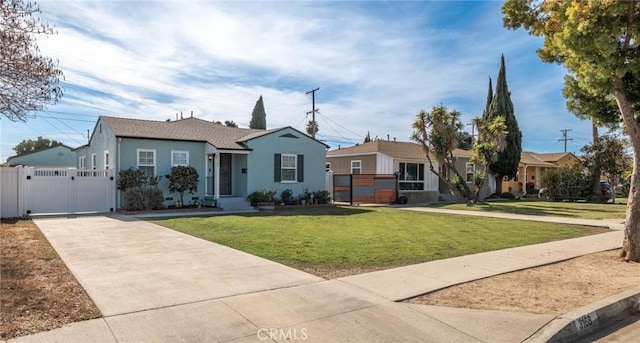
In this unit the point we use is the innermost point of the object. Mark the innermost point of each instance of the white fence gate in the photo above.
(56, 191)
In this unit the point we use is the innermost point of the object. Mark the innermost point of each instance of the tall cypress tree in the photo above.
(489, 98)
(501, 105)
(258, 116)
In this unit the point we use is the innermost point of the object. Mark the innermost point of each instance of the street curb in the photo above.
(589, 319)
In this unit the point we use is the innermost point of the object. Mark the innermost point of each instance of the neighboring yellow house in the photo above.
(532, 167)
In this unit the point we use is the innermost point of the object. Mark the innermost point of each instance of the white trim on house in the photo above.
(106, 159)
(138, 151)
(173, 161)
(359, 167)
(469, 172)
(288, 168)
(82, 162)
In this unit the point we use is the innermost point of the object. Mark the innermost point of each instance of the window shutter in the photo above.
(277, 164)
(300, 168)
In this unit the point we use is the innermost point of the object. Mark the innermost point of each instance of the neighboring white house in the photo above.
(59, 156)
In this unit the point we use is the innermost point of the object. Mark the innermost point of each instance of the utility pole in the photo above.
(564, 138)
(473, 127)
(313, 110)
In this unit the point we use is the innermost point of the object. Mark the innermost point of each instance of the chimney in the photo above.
(191, 113)
(181, 117)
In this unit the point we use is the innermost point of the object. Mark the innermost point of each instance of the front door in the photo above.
(225, 174)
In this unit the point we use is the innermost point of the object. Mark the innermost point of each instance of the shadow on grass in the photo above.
(309, 211)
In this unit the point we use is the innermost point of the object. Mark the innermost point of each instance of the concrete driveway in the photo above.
(132, 265)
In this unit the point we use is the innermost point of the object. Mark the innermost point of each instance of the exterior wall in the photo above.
(59, 156)
(239, 181)
(568, 161)
(369, 164)
(385, 165)
(260, 163)
(102, 140)
(129, 158)
(461, 166)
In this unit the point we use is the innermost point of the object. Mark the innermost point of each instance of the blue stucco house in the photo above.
(231, 162)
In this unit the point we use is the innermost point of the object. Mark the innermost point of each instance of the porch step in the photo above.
(235, 204)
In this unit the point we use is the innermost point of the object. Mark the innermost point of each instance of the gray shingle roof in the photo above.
(188, 129)
(395, 149)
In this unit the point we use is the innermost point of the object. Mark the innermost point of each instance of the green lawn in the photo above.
(547, 208)
(366, 238)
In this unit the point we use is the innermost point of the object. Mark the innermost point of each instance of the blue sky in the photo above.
(377, 64)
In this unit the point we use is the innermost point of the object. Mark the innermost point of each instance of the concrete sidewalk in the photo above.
(613, 224)
(157, 285)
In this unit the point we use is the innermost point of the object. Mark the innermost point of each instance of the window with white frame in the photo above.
(356, 167)
(94, 161)
(106, 159)
(470, 168)
(288, 168)
(411, 176)
(179, 158)
(82, 162)
(147, 161)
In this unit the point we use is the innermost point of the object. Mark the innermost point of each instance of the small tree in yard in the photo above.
(183, 179)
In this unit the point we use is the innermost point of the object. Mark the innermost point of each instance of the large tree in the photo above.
(28, 80)
(258, 116)
(507, 161)
(437, 132)
(597, 41)
(29, 145)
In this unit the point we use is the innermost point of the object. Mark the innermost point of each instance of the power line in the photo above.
(62, 132)
(344, 128)
(334, 130)
(564, 138)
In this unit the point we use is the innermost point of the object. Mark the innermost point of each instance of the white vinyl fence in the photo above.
(29, 190)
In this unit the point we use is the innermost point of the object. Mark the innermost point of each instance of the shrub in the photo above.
(131, 178)
(133, 199)
(153, 198)
(567, 183)
(323, 197)
(262, 195)
(287, 196)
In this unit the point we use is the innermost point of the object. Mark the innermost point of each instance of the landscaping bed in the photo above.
(38, 292)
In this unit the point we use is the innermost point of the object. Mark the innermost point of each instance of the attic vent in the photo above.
(288, 135)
